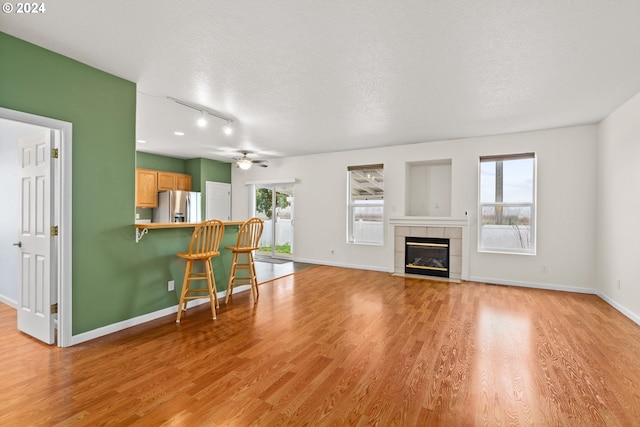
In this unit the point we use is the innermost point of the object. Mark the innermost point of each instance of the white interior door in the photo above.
(36, 278)
(218, 196)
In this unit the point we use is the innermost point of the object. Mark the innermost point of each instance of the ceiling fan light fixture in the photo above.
(244, 163)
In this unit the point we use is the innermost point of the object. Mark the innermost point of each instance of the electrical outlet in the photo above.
(618, 283)
(171, 285)
(545, 268)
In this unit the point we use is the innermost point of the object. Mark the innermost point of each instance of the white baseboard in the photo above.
(622, 309)
(10, 302)
(115, 327)
(549, 286)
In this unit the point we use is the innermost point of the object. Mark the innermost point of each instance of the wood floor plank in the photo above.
(332, 346)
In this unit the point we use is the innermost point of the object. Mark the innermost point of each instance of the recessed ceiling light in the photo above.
(141, 141)
(179, 133)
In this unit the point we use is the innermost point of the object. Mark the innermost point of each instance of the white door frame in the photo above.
(273, 187)
(62, 210)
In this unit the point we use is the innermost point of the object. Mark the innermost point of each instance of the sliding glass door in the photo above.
(274, 205)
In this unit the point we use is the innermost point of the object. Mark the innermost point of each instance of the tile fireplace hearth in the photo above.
(454, 229)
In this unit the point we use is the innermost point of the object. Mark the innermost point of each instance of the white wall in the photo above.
(619, 208)
(566, 203)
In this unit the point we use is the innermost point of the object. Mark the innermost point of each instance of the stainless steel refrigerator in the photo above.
(178, 206)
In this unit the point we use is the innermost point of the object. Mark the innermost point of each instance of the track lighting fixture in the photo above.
(227, 129)
(202, 122)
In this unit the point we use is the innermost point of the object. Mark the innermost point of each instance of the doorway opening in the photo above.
(58, 212)
(274, 204)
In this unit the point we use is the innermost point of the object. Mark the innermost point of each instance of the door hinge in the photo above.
(54, 153)
(54, 230)
(54, 308)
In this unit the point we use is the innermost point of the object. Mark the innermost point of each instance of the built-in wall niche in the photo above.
(428, 188)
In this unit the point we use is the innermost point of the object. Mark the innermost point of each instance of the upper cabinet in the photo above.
(146, 188)
(149, 182)
(183, 182)
(173, 181)
(166, 181)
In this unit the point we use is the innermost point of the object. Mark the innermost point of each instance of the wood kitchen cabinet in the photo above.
(166, 181)
(173, 181)
(149, 182)
(183, 182)
(146, 188)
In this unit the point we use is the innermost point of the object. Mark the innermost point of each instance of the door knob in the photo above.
(19, 244)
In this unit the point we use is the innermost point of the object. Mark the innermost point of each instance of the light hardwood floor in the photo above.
(339, 347)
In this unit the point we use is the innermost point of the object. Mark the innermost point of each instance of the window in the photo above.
(366, 204)
(507, 204)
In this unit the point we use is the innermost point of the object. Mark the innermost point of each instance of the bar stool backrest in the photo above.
(249, 234)
(206, 238)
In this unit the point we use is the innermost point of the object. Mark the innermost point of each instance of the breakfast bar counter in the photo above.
(143, 228)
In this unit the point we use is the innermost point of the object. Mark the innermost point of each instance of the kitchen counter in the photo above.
(143, 228)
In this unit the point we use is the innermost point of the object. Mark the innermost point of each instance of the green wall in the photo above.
(161, 163)
(113, 277)
(203, 170)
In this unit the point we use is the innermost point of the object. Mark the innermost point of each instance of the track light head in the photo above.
(202, 122)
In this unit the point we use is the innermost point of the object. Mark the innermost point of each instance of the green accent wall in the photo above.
(203, 170)
(113, 277)
(161, 163)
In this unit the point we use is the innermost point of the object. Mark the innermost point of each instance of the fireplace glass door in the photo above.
(427, 256)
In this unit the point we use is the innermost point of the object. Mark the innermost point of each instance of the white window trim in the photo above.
(533, 204)
(350, 212)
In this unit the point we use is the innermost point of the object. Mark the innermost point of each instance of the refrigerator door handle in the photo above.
(187, 216)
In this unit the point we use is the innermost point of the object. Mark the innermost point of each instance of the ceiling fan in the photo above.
(245, 162)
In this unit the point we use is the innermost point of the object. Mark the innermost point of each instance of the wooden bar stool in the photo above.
(204, 244)
(248, 241)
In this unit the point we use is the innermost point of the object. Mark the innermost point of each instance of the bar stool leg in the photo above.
(254, 277)
(211, 286)
(232, 276)
(186, 284)
(213, 280)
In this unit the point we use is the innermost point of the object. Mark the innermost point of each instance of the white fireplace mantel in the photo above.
(425, 226)
(429, 221)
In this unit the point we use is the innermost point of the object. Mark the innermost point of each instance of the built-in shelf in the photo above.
(428, 188)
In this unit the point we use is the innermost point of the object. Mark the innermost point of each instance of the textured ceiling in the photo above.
(301, 77)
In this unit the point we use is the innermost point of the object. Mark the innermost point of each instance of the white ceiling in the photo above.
(301, 77)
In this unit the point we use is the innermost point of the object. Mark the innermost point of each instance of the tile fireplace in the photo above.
(454, 230)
